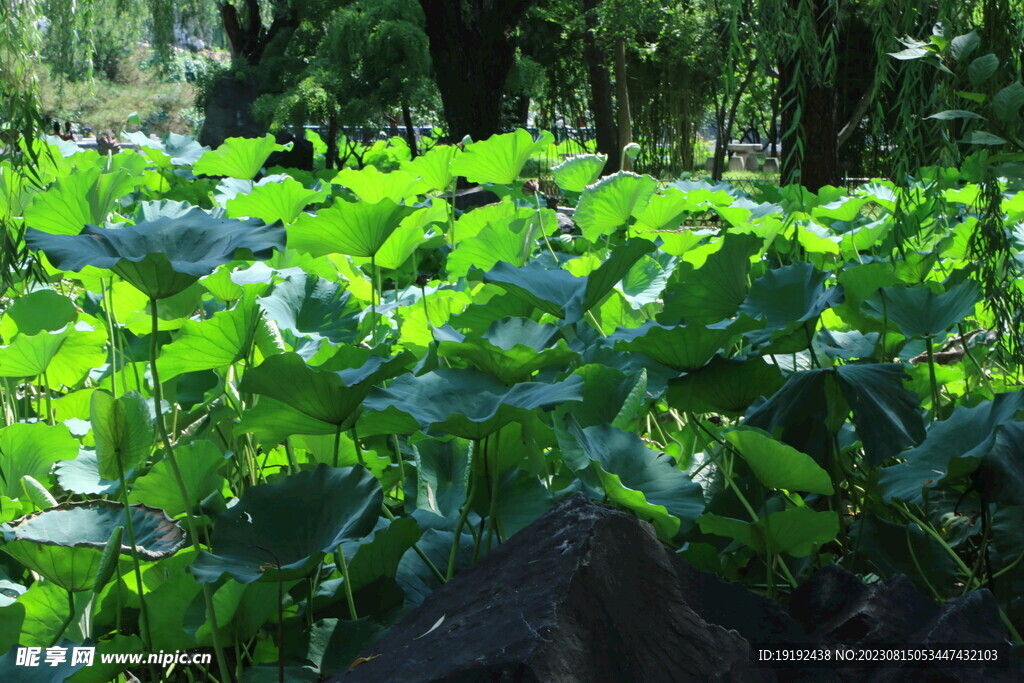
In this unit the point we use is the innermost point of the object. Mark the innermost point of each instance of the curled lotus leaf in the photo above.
(65, 543)
(162, 257)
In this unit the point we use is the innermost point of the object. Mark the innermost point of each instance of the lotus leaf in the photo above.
(290, 525)
(165, 256)
(65, 543)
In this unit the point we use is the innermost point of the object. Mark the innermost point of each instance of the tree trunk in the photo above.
(622, 99)
(410, 131)
(600, 93)
(471, 45)
(816, 134)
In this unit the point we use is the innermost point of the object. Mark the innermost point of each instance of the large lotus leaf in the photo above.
(238, 157)
(953, 448)
(84, 348)
(552, 290)
(370, 185)
(920, 312)
(82, 476)
(511, 349)
(608, 204)
(576, 172)
(278, 200)
(795, 531)
(353, 228)
(1001, 472)
(172, 150)
(889, 548)
(65, 543)
(510, 240)
(86, 196)
(199, 463)
(165, 256)
(434, 167)
(793, 293)
(289, 525)
(498, 159)
(778, 466)
(208, 344)
(310, 306)
(377, 556)
(296, 399)
(665, 211)
(123, 431)
(468, 403)
(32, 449)
(29, 356)
(442, 475)
(43, 309)
(682, 347)
(725, 385)
(643, 480)
(809, 409)
(715, 290)
(563, 295)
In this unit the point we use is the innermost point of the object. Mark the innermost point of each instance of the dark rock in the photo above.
(585, 593)
(300, 156)
(566, 225)
(229, 112)
(474, 197)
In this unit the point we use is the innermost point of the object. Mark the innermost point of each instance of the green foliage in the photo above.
(340, 397)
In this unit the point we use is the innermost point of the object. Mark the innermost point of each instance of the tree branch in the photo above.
(855, 117)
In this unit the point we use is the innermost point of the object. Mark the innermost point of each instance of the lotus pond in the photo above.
(260, 412)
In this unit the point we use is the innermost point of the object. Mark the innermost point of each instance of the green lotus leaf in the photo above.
(682, 347)
(511, 349)
(469, 403)
(725, 385)
(563, 295)
(172, 150)
(29, 356)
(500, 158)
(86, 196)
(795, 531)
(809, 409)
(434, 167)
(666, 210)
(377, 555)
(238, 157)
(372, 186)
(65, 543)
(353, 228)
(297, 399)
(198, 461)
(41, 310)
(312, 307)
(576, 172)
(777, 465)
(288, 526)
(123, 431)
(608, 204)
(217, 342)
(165, 256)
(919, 312)
(510, 240)
(32, 449)
(82, 475)
(790, 294)
(955, 447)
(280, 199)
(643, 480)
(714, 291)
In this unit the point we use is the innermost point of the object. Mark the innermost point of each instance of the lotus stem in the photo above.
(355, 442)
(931, 377)
(470, 490)
(416, 548)
(211, 615)
(337, 443)
(343, 565)
(129, 528)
